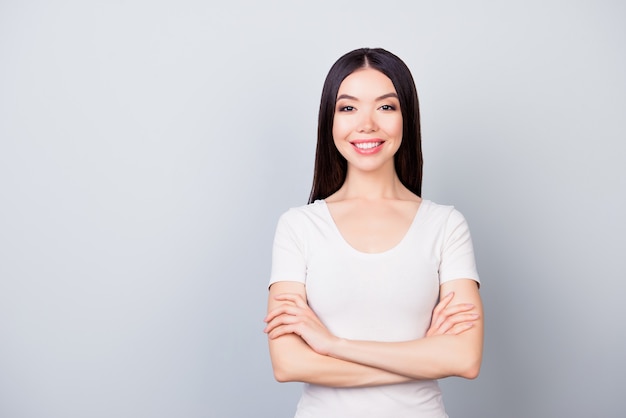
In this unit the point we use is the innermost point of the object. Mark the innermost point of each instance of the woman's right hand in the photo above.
(294, 316)
(451, 320)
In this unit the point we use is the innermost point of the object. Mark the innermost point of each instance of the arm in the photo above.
(435, 356)
(293, 360)
(296, 338)
(426, 358)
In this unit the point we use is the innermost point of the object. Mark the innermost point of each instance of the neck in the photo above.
(383, 184)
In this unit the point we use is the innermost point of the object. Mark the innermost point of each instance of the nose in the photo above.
(367, 123)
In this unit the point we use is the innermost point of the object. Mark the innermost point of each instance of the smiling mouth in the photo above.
(367, 145)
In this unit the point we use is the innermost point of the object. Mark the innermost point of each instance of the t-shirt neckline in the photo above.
(416, 218)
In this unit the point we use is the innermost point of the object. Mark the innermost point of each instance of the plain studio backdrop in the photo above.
(147, 149)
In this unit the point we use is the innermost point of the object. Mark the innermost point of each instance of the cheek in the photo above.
(340, 130)
(338, 126)
(397, 127)
(394, 130)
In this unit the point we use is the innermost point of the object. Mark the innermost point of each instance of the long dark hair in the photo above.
(330, 166)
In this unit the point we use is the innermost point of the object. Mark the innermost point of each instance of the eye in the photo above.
(387, 107)
(346, 109)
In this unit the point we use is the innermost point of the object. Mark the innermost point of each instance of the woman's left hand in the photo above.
(296, 317)
(451, 319)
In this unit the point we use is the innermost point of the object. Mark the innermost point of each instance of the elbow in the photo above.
(466, 364)
(283, 373)
(471, 369)
(286, 359)
(471, 373)
(281, 376)
(469, 360)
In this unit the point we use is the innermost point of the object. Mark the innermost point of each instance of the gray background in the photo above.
(148, 147)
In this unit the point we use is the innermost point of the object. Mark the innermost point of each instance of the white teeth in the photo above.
(367, 145)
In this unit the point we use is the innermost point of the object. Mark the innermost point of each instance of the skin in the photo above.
(364, 113)
(373, 211)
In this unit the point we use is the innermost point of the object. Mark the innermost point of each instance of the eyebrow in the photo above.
(384, 96)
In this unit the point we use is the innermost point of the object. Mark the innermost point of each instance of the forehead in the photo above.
(366, 82)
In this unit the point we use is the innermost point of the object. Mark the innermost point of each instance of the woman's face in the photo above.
(367, 127)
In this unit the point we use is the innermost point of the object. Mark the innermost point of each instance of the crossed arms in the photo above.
(302, 349)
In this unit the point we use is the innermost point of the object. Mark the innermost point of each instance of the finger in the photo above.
(437, 312)
(461, 307)
(281, 330)
(454, 310)
(449, 321)
(281, 310)
(298, 300)
(455, 320)
(460, 328)
(451, 311)
(280, 321)
(443, 303)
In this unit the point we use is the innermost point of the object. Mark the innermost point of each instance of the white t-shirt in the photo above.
(386, 296)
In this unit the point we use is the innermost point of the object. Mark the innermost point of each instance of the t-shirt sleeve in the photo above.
(457, 258)
(288, 258)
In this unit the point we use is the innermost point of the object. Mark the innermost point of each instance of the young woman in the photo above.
(374, 290)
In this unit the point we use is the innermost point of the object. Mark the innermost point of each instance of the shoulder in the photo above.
(443, 217)
(303, 217)
(303, 226)
(309, 211)
(438, 211)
